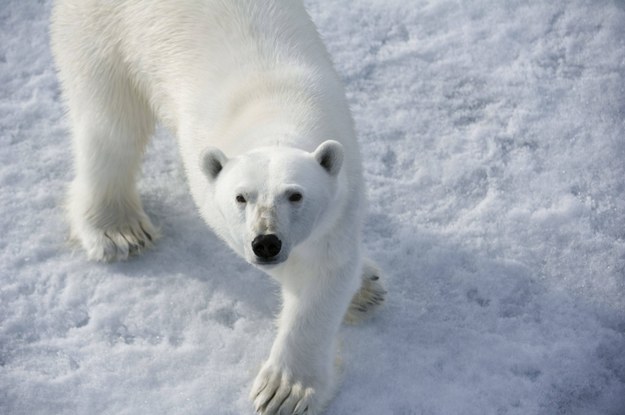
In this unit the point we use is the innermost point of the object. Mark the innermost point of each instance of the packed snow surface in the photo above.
(493, 140)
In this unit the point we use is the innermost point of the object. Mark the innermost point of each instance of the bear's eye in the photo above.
(241, 199)
(295, 197)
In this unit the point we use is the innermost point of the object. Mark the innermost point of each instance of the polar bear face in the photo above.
(272, 199)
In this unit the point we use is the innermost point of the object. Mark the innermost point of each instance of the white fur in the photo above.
(249, 90)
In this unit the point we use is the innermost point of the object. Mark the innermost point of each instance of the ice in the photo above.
(493, 140)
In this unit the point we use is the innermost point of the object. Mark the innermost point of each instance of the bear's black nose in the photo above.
(266, 246)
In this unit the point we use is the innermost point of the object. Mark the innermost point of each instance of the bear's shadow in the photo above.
(189, 248)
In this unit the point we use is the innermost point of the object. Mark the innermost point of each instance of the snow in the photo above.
(493, 138)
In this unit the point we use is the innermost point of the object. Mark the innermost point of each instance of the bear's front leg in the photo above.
(105, 212)
(299, 376)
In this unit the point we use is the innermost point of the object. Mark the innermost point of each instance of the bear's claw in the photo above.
(116, 243)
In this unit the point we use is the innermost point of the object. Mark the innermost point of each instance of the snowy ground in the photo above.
(493, 134)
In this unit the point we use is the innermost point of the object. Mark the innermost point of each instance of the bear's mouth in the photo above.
(263, 262)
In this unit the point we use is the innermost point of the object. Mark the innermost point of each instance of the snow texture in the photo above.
(493, 139)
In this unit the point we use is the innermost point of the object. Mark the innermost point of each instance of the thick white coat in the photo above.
(248, 85)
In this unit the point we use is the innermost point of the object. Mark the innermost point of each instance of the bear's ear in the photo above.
(212, 161)
(329, 155)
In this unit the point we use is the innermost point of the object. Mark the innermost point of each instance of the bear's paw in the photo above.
(369, 296)
(116, 242)
(276, 392)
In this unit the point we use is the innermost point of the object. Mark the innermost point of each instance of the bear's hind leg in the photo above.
(370, 295)
(111, 125)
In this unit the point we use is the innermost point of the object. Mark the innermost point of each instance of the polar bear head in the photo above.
(272, 199)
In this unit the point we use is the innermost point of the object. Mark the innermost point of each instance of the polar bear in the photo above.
(268, 146)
